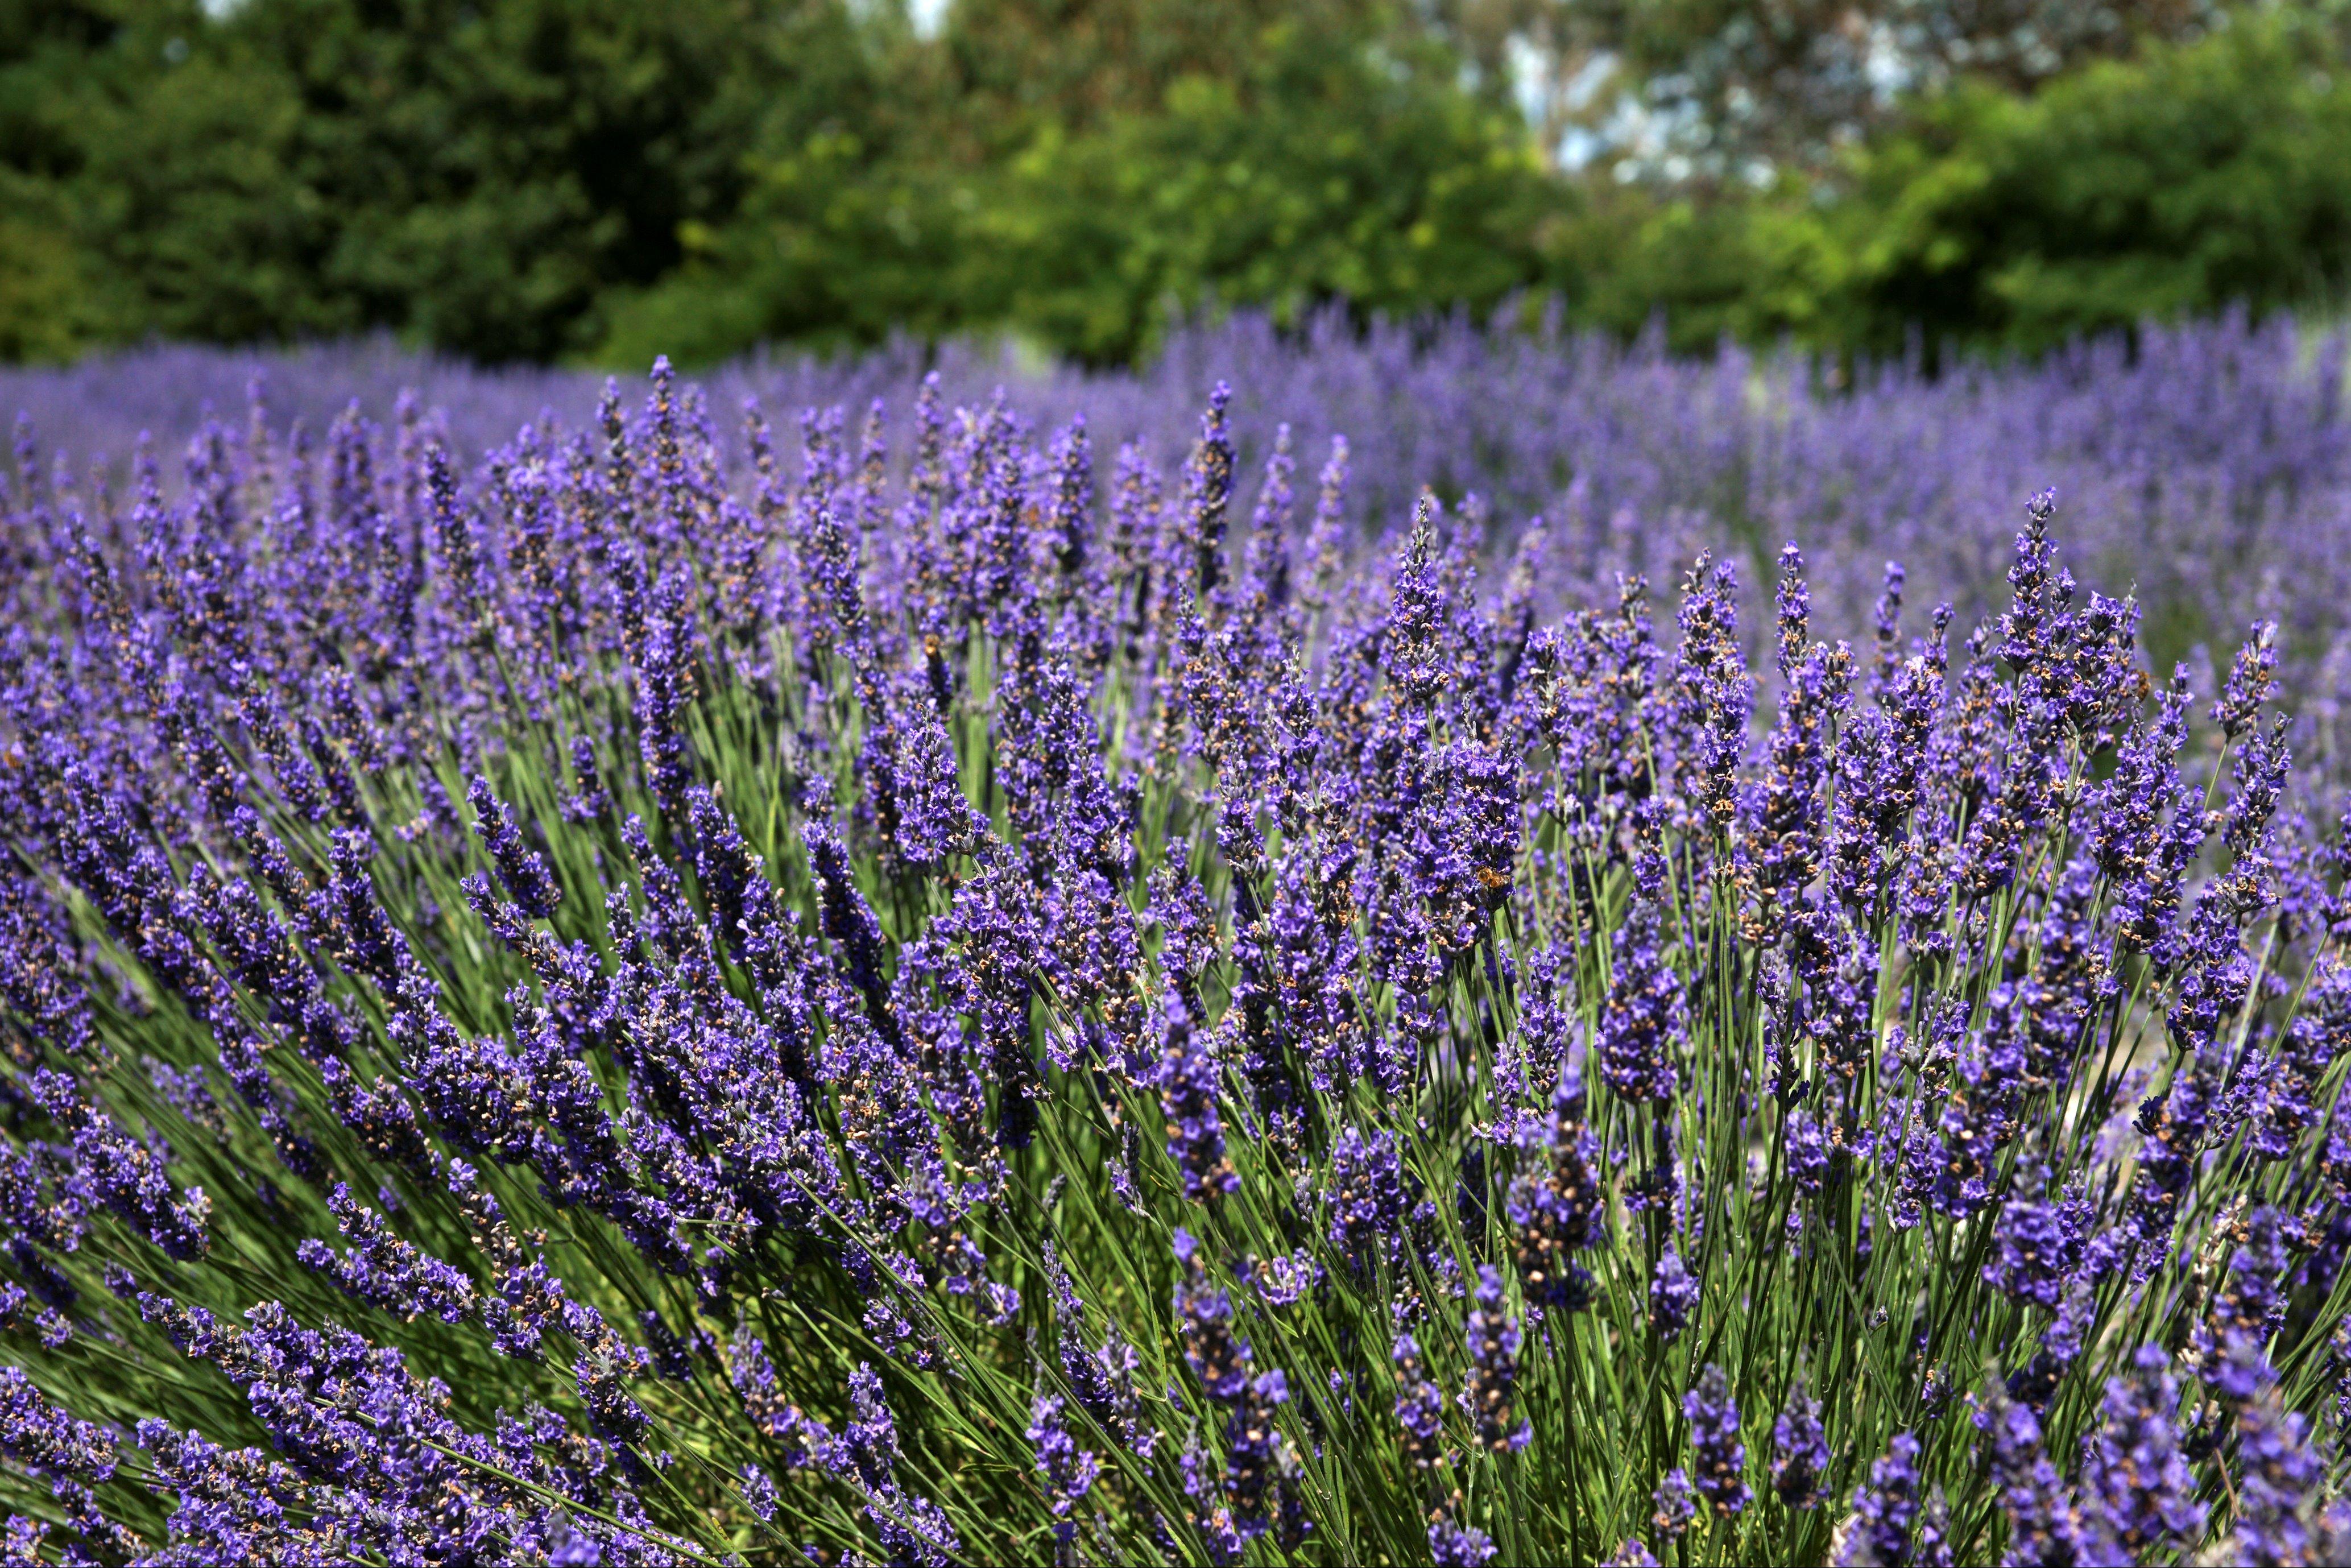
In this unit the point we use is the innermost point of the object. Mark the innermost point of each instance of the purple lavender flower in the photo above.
(2278, 1476)
(520, 867)
(2137, 1492)
(1641, 1034)
(1189, 1080)
(1370, 1194)
(385, 1272)
(1494, 1340)
(1134, 816)
(2249, 1300)
(1204, 1312)
(1553, 1207)
(2043, 1527)
(1452, 1545)
(2040, 1244)
(1784, 837)
(1101, 1379)
(1888, 1513)
(1208, 495)
(1713, 697)
(37, 1432)
(1721, 1458)
(1673, 1297)
(127, 1175)
(1258, 1465)
(2174, 1128)
(1673, 1503)
(1800, 1450)
(2249, 682)
(1419, 1407)
(1069, 1470)
(2319, 1035)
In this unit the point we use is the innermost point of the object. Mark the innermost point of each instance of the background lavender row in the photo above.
(2209, 465)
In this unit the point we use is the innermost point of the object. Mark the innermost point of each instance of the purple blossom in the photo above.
(1553, 1204)
(1204, 1311)
(964, 840)
(1800, 1450)
(1369, 1193)
(1673, 1296)
(1891, 1522)
(1419, 1407)
(1189, 1082)
(1641, 1034)
(1069, 1470)
(2044, 1528)
(2138, 1492)
(385, 1272)
(1674, 1502)
(1494, 1341)
(2041, 1244)
(1720, 1456)
(1452, 1545)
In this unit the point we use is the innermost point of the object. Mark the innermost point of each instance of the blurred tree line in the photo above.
(600, 180)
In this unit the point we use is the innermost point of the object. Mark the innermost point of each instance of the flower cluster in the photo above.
(637, 998)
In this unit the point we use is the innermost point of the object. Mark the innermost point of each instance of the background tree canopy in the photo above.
(600, 180)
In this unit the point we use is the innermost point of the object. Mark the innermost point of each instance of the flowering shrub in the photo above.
(612, 1007)
(2206, 467)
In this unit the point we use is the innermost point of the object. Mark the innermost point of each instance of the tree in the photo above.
(2194, 178)
(480, 177)
(1133, 158)
(1722, 89)
(61, 61)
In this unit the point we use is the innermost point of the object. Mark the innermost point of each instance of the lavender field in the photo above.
(1436, 946)
(2206, 467)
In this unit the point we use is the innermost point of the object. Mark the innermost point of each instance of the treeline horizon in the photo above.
(591, 182)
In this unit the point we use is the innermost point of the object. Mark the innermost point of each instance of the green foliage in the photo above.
(1323, 174)
(838, 242)
(2189, 179)
(1723, 83)
(58, 59)
(603, 180)
(474, 176)
(2195, 177)
(1321, 166)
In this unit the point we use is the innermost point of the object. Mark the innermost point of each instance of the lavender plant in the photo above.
(613, 1004)
(2205, 465)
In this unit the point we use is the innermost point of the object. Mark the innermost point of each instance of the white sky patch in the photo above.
(927, 16)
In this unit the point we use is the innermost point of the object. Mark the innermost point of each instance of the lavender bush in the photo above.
(2207, 466)
(638, 1001)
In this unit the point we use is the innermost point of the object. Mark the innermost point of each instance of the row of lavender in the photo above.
(621, 1003)
(2208, 465)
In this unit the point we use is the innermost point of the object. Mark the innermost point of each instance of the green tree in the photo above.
(1353, 172)
(1264, 155)
(1013, 67)
(848, 225)
(61, 63)
(481, 177)
(1714, 89)
(2192, 178)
